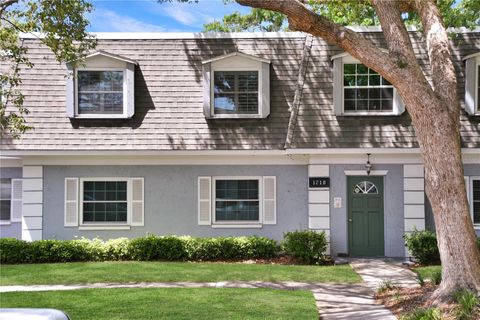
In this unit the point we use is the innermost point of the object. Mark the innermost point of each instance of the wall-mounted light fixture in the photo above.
(368, 165)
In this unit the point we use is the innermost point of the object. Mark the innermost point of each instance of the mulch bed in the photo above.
(402, 301)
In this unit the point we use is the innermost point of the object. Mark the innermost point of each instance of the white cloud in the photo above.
(107, 20)
(181, 15)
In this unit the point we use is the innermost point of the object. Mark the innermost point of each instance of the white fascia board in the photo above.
(111, 56)
(473, 55)
(233, 54)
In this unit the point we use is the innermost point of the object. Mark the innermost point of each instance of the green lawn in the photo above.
(91, 272)
(427, 272)
(170, 303)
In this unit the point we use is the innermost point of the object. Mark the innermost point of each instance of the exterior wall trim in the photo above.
(32, 203)
(364, 173)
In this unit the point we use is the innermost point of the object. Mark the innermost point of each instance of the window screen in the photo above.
(365, 90)
(237, 200)
(100, 92)
(104, 201)
(235, 92)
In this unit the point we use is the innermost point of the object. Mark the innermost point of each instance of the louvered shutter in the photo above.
(269, 200)
(137, 202)
(467, 185)
(16, 204)
(204, 200)
(71, 202)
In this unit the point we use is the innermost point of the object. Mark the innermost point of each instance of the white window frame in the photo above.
(9, 221)
(397, 107)
(216, 68)
(238, 223)
(107, 224)
(101, 115)
(477, 75)
(470, 180)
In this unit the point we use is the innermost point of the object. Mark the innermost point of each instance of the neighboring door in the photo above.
(365, 216)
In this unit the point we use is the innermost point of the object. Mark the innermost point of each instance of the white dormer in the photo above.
(236, 85)
(472, 84)
(101, 87)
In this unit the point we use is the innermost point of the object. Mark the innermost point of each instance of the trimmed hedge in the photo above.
(423, 246)
(306, 246)
(149, 248)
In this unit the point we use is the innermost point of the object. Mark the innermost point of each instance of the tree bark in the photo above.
(435, 112)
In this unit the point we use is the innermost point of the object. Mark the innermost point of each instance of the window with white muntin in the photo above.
(104, 203)
(472, 84)
(236, 85)
(359, 90)
(101, 87)
(237, 202)
(10, 200)
(473, 193)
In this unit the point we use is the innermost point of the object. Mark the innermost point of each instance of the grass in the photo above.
(91, 272)
(170, 303)
(428, 272)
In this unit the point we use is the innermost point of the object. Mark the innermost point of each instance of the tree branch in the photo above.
(439, 54)
(303, 19)
(5, 4)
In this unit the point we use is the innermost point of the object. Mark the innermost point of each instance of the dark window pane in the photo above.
(5, 188)
(476, 190)
(5, 209)
(361, 69)
(349, 81)
(349, 105)
(350, 94)
(374, 93)
(387, 105)
(362, 93)
(374, 80)
(362, 81)
(374, 105)
(387, 93)
(385, 82)
(100, 207)
(237, 200)
(237, 211)
(349, 68)
(362, 105)
(476, 212)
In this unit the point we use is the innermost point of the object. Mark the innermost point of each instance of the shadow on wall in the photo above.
(221, 134)
(318, 126)
(143, 104)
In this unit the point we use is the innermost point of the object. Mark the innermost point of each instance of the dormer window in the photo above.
(236, 85)
(101, 87)
(472, 84)
(360, 91)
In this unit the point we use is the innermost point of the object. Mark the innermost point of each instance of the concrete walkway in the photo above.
(334, 301)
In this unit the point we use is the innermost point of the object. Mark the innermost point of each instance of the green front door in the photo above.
(365, 216)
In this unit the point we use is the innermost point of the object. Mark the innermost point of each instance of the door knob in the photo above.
(350, 220)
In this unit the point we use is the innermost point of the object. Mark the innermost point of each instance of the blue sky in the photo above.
(150, 16)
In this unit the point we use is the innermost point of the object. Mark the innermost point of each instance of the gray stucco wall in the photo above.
(13, 230)
(393, 199)
(469, 170)
(171, 199)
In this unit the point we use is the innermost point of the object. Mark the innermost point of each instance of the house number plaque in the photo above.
(319, 182)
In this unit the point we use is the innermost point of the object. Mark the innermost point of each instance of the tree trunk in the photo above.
(435, 112)
(439, 140)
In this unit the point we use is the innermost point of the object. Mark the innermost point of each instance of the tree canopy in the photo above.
(463, 13)
(63, 27)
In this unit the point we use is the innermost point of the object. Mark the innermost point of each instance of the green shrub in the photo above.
(436, 278)
(14, 251)
(169, 248)
(468, 304)
(166, 248)
(424, 314)
(423, 246)
(307, 246)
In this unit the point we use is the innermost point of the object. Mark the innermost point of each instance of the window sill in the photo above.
(243, 226)
(5, 223)
(100, 116)
(366, 114)
(236, 116)
(85, 227)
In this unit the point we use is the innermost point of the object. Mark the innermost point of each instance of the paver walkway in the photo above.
(334, 301)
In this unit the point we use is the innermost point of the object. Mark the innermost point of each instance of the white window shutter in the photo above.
(467, 185)
(269, 200)
(204, 200)
(71, 202)
(138, 202)
(338, 86)
(16, 204)
(470, 79)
